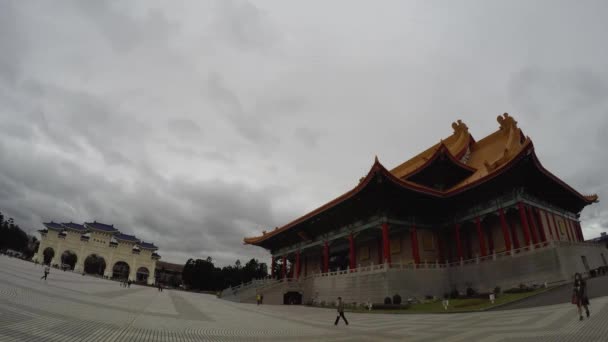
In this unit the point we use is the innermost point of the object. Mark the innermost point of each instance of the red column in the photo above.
(557, 234)
(580, 229)
(514, 235)
(284, 269)
(273, 264)
(505, 229)
(380, 252)
(576, 232)
(439, 248)
(567, 229)
(386, 244)
(490, 240)
(415, 251)
(533, 229)
(298, 264)
(577, 235)
(524, 223)
(326, 257)
(352, 262)
(482, 241)
(458, 242)
(541, 227)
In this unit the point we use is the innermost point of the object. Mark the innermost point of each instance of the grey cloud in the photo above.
(184, 128)
(244, 25)
(194, 125)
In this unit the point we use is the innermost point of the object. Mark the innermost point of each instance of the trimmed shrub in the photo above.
(397, 299)
(471, 292)
(497, 290)
(387, 300)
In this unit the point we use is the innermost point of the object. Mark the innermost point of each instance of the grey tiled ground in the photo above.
(70, 307)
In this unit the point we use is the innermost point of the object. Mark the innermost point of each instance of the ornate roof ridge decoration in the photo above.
(53, 225)
(440, 151)
(147, 245)
(74, 226)
(457, 144)
(100, 226)
(508, 139)
(126, 237)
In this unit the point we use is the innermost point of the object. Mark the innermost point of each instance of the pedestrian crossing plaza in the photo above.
(71, 307)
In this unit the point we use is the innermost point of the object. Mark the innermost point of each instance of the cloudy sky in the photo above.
(194, 124)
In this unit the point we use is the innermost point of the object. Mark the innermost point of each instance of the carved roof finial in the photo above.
(460, 127)
(506, 121)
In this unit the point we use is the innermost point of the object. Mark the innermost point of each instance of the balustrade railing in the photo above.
(526, 250)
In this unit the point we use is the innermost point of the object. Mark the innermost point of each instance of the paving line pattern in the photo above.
(70, 307)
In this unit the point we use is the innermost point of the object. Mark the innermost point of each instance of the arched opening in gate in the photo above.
(68, 260)
(48, 255)
(142, 275)
(120, 270)
(94, 264)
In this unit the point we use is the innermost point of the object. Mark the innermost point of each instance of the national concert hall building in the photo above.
(463, 213)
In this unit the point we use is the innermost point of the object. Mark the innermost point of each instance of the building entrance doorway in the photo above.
(292, 298)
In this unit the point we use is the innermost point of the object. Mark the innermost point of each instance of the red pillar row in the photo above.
(524, 223)
(352, 262)
(326, 257)
(505, 229)
(415, 251)
(386, 247)
(458, 242)
(482, 242)
(540, 220)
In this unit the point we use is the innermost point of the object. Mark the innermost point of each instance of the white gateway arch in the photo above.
(115, 255)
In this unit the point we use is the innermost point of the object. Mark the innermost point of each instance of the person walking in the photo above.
(47, 270)
(258, 299)
(579, 295)
(340, 312)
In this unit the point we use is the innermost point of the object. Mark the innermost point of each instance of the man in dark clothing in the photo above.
(340, 312)
(47, 270)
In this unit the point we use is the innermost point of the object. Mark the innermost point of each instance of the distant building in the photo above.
(169, 274)
(462, 213)
(602, 239)
(92, 246)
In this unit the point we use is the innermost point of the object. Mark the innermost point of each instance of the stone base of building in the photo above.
(553, 263)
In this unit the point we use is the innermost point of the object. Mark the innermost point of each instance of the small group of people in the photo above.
(259, 298)
(125, 283)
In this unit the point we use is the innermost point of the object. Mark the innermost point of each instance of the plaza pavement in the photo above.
(71, 307)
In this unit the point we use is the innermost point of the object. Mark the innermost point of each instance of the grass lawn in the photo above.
(458, 305)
